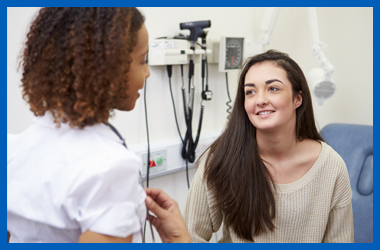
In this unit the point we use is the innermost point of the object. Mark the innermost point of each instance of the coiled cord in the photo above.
(229, 99)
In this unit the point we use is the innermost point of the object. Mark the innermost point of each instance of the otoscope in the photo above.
(196, 28)
(196, 31)
(206, 93)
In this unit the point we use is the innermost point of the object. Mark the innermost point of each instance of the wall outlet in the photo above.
(170, 149)
(157, 161)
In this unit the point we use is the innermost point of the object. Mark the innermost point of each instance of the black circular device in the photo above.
(234, 53)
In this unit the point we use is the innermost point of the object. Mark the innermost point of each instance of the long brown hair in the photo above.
(234, 171)
(76, 60)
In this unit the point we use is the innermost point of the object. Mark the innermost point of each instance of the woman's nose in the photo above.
(147, 72)
(262, 99)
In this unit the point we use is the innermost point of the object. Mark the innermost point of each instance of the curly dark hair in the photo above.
(75, 62)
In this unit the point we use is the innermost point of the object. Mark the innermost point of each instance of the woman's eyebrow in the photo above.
(273, 80)
(249, 85)
(266, 82)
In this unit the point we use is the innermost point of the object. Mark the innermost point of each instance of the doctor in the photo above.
(70, 175)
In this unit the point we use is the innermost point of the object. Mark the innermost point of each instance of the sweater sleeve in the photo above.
(340, 226)
(198, 215)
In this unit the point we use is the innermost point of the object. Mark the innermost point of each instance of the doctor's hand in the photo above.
(168, 221)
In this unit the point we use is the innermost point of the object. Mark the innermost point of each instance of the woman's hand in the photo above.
(169, 222)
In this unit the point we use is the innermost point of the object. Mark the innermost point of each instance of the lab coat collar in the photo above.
(48, 121)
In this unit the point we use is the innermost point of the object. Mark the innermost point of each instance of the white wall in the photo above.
(348, 32)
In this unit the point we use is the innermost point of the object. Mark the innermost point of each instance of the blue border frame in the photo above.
(322, 3)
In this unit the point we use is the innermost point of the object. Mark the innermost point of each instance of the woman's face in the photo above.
(269, 101)
(138, 71)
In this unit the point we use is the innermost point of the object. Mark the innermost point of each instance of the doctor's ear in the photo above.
(298, 99)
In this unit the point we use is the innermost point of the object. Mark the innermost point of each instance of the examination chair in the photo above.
(354, 143)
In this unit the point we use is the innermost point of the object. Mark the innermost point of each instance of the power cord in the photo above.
(147, 137)
(169, 69)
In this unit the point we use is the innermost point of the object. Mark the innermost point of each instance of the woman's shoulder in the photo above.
(93, 151)
(310, 149)
(322, 152)
(201, 162)
(327, 163)
(333, 159)
(332, 169)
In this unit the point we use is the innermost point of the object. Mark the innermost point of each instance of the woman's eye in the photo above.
(273, 88)
(249, 92)
(145, 60)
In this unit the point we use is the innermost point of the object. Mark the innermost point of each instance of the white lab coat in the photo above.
(63, 182)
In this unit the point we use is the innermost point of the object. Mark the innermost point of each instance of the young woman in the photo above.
(70, 176)
(270, 177)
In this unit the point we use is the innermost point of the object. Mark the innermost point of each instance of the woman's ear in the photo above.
(298, 99)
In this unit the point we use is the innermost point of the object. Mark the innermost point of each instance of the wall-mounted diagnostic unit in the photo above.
(231, 53)
(171, 52)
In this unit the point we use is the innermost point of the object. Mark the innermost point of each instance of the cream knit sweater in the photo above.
(315, 208)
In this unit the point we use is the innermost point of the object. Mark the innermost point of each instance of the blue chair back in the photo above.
(354, 143)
